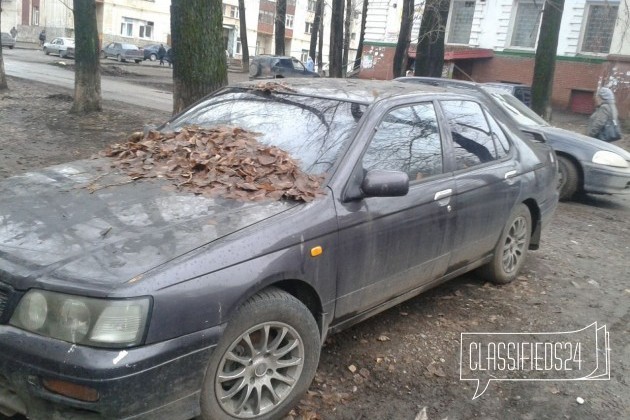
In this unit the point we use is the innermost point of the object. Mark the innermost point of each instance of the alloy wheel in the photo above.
(514, 246)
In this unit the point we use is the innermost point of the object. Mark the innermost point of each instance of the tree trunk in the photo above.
(320, 41)
(3, 76)
(357, 61)
(87, 74)
(199, 66)
(404, 37)
(336, 38)
(346, 38)
(430, 49)
(244, 44)
(545, 64)
(319, 7)
(281, 17)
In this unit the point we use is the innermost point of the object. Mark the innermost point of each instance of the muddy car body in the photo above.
(122, 298)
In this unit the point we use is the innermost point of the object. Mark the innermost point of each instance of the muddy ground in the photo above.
(404, 363)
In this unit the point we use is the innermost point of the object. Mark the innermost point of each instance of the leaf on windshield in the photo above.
(221, 161)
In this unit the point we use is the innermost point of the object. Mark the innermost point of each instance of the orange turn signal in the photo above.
(316, 251)
(68, 389)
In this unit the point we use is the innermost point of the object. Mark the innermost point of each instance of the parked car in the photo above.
(151, 51)
(124, 298)
(521, 92)
(7, 40)
(63, 47)
(123, 52)
(586, 164)
(276, 67)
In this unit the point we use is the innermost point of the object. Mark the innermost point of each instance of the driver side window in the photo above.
(407, 139)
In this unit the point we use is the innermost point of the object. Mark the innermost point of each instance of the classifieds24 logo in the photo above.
(553, 356)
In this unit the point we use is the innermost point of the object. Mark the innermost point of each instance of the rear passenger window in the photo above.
(472, 138)
(407, 139)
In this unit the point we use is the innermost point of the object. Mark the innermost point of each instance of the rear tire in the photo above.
(568, 178)
(103, 56)
(153, 57)
(119, 58)
(254, 70)
(265, 360)
(46, 51)
(511, 250)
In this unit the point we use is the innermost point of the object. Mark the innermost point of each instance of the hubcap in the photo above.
(259, 370)
(514, 245)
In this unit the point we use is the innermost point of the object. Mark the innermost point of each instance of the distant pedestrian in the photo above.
(161, 54)
(169, 57)
(603, 124)
(310, 64)
(13, 33)
(42, 37)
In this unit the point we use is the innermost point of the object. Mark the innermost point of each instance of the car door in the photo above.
(486, 180)
(392, 245)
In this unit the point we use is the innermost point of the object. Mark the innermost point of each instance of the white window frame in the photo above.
(587, 8)
(304, 56)
(142, 31)
(288, 21)
(308, 28)
(312, 6)
(230, 11)
(449, 23)
(127, 23)
(513, 23)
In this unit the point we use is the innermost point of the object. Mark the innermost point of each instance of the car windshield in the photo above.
(129, 47)
(312, 130)
(517, 109)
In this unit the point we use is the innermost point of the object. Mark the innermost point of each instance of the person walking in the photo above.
(42, 37)
(310, 65)
(161, 54)
(13, 33)
(603, 124)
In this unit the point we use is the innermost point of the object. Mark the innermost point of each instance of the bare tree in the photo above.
(199, 65)
(404, 38)
(347, 35)
(336, 38)
(319, 8)
(320, 41)
(281, 17)
(3, 76)
(357, 61)
(545, 64)
(430, 48)
(87, 73)
(244, 44)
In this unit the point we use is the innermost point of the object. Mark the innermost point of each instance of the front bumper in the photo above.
(161, 380)
(601, 179)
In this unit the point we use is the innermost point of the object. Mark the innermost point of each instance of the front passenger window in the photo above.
(407, 139)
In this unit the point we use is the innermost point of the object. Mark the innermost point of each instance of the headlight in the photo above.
(604, 157)
(81, 320)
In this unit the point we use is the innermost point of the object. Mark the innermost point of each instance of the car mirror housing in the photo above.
(380, 183)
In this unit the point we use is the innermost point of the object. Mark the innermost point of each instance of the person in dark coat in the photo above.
(161, 54)
(605, 110)
(42, 37)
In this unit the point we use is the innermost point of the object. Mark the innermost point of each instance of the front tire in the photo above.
(265, 360)
(103, 55)
(511, 250)
(119, 58)
(46, 51)
(568, 178)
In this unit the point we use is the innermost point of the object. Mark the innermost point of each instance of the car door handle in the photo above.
(442, 194)
(509, 174)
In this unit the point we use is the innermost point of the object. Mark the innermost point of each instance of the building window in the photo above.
(525, 25)
(230, 11)
(35, 16)
(266, 17)
(288, 22)
(146, 30)
(598, 30)
(238, 45)
(126, 27)
(461, 22)
(308, 27)
(304, 56)
(312, 5)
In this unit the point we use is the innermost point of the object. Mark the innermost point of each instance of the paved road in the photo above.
(34, 65)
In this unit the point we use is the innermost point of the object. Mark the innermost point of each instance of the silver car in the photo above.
(63, 47)
(7, 40)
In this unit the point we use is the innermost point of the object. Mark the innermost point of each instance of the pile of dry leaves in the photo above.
(221, 161)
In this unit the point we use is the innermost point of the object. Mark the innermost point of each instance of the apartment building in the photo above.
(495, 40)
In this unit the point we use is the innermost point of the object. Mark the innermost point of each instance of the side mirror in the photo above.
(380, 183)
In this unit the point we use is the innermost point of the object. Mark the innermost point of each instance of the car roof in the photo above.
(354, 90)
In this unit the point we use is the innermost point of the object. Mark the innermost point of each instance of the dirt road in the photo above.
(405, 362)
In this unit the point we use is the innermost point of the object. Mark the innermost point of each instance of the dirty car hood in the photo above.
(84, 222)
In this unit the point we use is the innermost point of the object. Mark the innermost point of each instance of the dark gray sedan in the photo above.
(135, 298)
(123, 52)
(586, 164)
